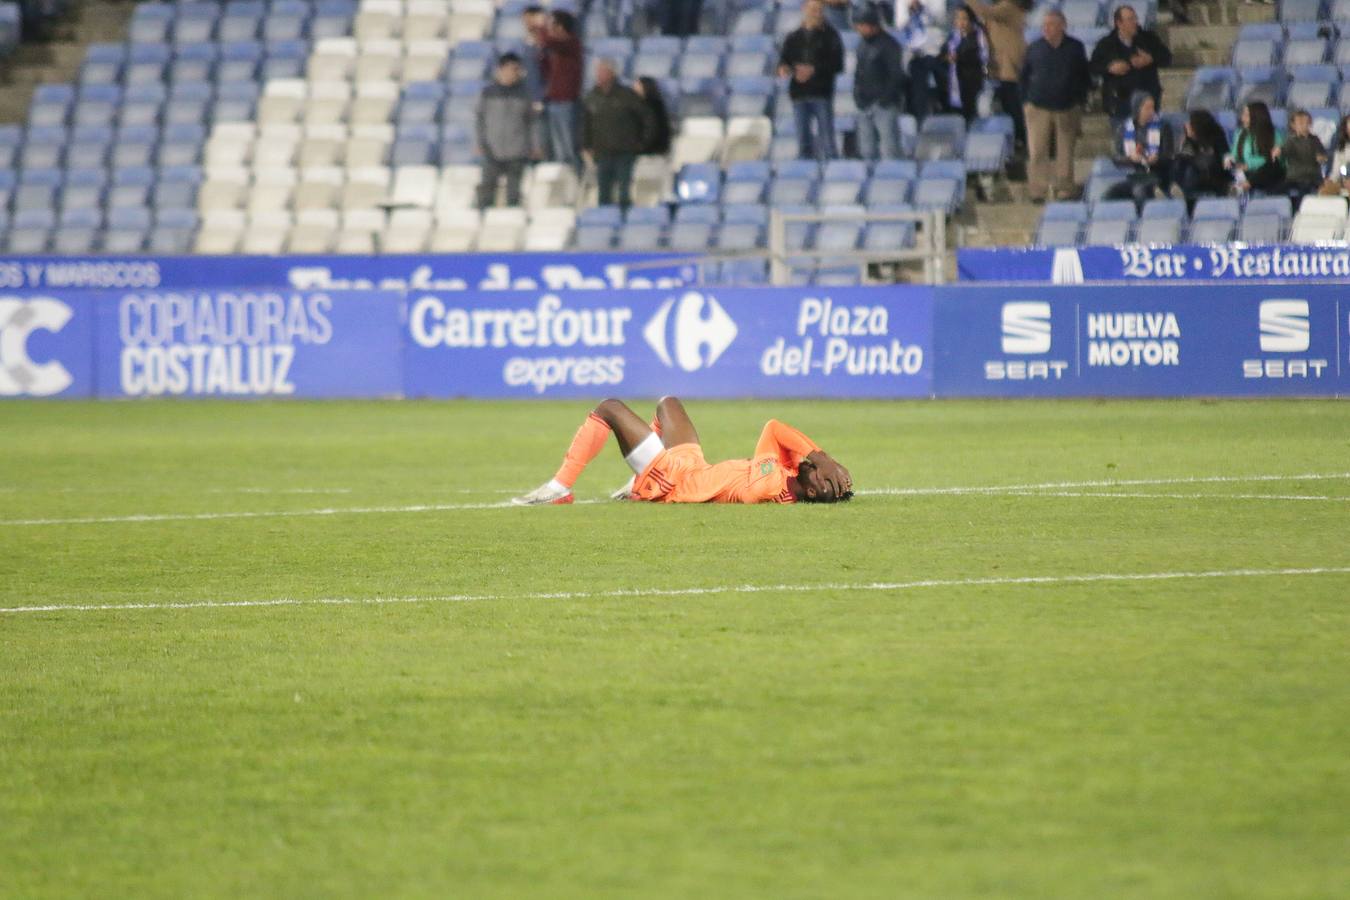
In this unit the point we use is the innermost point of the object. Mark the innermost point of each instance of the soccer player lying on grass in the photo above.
(668, 464)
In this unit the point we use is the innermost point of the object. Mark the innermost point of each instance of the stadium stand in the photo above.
(345, 126)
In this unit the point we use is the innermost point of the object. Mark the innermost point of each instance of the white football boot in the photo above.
(625, 492)
(548, 493)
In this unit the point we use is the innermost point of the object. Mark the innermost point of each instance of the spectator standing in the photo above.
(562, 86)
(1143, 146)
(922, 37)
(680, 17)
(505, 131)
(650, 91)
(1198, 168)
(967, 55)
(1005, 21)
(1127, 60)
(1303, 156)
(1054, 82)
(617, 127)
(1256, 151)
(531, 53)
(812, 56)
(878, 88)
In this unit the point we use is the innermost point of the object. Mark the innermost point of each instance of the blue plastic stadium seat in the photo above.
(195, 22)
(36, 189)
(284, 59)
(83, 189)
(699, 183)
(697, 213)
(44, 148)
(594, 237)
(77, 231)
(188, 103)
(97, 104)
(173, 231)
(600, 215)
(146, 64)
(30, 231)
(647, 215)
(134, 146)
(287, 20)
(51, 104)
(415, 145)
(89, 146)
(150, 23)
(235, 101)
(239, 61)
(177, 187)
(421, 103)
(332, 18)
(1212, 87)
(646, 236)
(194, 62)
(181, 145)
(241, 20)
(131, 188)
(127, 230)
(691, 237)
(103, 64)
(1302, 10)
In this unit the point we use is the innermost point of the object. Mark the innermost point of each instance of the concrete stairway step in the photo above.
(1201, 45)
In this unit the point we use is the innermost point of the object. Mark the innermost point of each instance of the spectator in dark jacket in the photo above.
(616, 128)
(1054, 85)
(967, 54)
(1198, 168)
(812, 56)
(1127, 60)
(562, 86)
(879, 85)
(505, 131)
(1303, 156)
(650, 92)
(1144, 148)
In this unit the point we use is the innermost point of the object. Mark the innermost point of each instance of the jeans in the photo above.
(615, 172)
(879, 132)
(820, 143)
(494, 169)
(562, 132)
(680, 17)
(927, 81)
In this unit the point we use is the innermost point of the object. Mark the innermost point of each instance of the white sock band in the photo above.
(644, 453)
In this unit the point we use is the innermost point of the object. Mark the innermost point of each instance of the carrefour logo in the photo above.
(1284, 326)
(1026, 327)
(18, 373)
(690, 332)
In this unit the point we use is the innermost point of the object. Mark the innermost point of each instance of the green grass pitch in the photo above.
(940, 699)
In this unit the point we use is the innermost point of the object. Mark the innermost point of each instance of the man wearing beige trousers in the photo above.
(1055, 81)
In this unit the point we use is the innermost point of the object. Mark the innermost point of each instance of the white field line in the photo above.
(1132, 482)
(880, 586)
(1011, 489)
(1136, 496)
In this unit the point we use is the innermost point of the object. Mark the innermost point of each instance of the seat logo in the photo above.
(19, 375)
(1026, 327)
(690, 332)
(1284, 326)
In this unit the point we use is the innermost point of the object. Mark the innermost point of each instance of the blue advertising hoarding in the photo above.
(1155, 264)
(1246, 340)
(738, 342)
(432, 272)
(1011, 340)
(47, 345)
(249, 344)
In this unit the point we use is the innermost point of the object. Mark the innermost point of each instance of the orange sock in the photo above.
(589, 441)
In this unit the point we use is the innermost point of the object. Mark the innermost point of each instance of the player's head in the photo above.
(814, 489)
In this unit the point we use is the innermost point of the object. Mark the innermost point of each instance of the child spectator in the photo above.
(1303, 156)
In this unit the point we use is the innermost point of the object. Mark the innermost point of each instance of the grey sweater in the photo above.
(505, 121)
